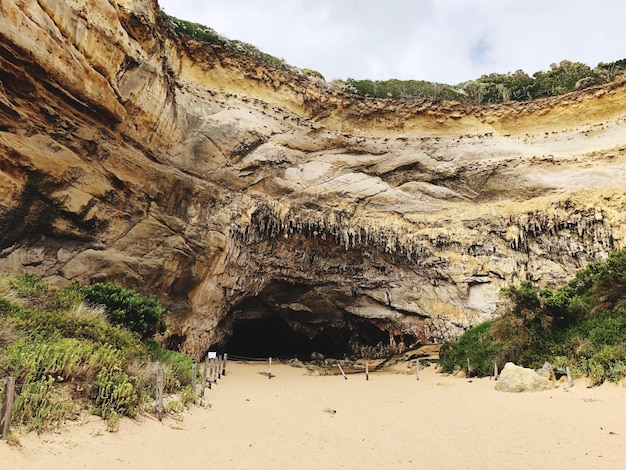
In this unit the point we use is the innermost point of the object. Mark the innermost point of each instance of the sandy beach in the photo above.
(393, 420)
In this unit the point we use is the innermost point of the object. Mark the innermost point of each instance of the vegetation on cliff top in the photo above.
(67, 356)
(562, 78)
(581, 324)
(205, 34)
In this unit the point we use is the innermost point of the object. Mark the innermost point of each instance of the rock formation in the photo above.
(233, 191)
(516, 379)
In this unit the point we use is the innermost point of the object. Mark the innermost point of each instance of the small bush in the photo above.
(178, 366)
(477, 345)
(41, 405)
(79, 322)
(313, 73)
(117, 394)
(143, 315)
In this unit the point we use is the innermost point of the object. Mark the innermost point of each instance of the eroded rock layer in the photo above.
(237, 192)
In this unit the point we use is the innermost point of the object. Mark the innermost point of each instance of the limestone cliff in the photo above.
(234, 191)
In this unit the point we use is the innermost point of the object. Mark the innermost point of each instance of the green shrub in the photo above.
(313, 73)
(41, 405)
(46, 367)
(67, 356)
(476, 345)
(117, 394)
(582, 324)
(607, 363)
(402, 89)
(143, 315)
(79, 322)
(178, 366)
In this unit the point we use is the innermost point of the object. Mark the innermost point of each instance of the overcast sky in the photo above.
(448, 41)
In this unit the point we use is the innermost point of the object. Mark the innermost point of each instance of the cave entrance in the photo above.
(273, 337)
(287, 321)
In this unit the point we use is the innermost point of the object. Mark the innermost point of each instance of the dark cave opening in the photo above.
(288, 320)
(272, 336)
(263, 338)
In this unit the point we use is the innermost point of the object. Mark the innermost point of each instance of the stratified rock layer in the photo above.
(233, 191)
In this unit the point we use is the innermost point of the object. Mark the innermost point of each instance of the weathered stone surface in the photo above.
(234, 191)
(546, 371)
(520, 379)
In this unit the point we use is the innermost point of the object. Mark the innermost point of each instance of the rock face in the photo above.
(519, 379)
(240, 194)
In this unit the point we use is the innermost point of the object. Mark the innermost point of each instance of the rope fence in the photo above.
(330, 367)
(214, 368)
(247, 359)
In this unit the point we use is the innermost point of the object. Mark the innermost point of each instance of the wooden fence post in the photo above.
(204, 377)
(469, 370)
(7, 404)
(367, 370)
(159, 393)
(194, 372)
(270, 371)
(210, 376)
(224, 364)
(570, 384)
(219, 367)
(417, 369)
(342, 372)
(495, 370)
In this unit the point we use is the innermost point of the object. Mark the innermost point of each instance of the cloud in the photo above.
(440, 40)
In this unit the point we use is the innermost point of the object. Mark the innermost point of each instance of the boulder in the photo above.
(546, 370)
(514, 378)
(315, 356)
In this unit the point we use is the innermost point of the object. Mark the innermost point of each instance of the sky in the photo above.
(447, 41)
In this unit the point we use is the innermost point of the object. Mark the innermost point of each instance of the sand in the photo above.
(312, 422)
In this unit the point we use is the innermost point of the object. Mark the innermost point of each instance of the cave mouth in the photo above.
(273, 336)
(290, 320)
